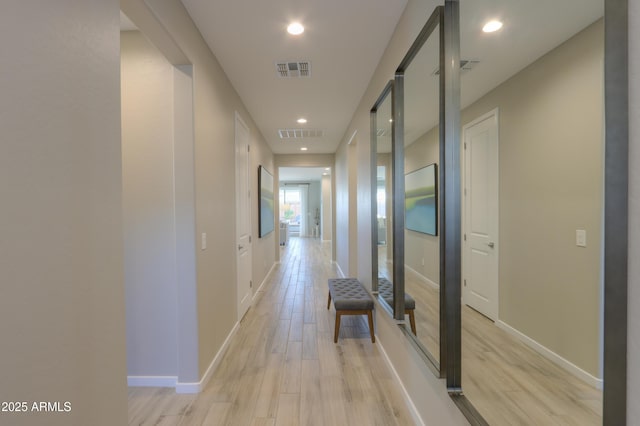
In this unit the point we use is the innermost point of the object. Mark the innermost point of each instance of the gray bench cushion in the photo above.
(349, 294)
(385, 290)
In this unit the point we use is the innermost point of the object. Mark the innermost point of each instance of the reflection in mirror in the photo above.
(422, 245)
(384, 196)
(532, 213)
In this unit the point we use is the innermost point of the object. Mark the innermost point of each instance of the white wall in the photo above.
(167, 24)
(633, 357)
(159, 215)
(61, 273)
(326, 225)
(149, 208)
(341, 176)
(185, 215)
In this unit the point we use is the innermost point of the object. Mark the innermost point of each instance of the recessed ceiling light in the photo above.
(325, 174)
(327, 168)
(492, 26)
(304, 148)
(302, 120)
(295, 28)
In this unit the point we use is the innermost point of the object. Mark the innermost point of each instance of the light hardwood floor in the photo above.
(282, 367)
(508, 382)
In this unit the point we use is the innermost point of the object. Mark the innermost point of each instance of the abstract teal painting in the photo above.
(266, 210)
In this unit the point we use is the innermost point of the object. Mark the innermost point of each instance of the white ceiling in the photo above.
(344, 41)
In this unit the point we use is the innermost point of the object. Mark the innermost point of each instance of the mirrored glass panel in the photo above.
(532, 172)
(421, 193)
(382, 129)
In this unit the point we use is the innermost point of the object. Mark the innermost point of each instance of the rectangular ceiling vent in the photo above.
(300, 133)
(465, 66)
(293, 69)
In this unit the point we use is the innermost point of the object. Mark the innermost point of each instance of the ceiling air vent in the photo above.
(293, 69)
(300, 133)
(465, 65)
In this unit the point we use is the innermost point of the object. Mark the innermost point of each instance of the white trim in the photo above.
(189, 388)
(340, 273)
(198, 386)
(552, 356)
(352, 136)
(152, 381)
(239, 122)
(463, 171)
(421, 277)
(264, 281)
(405, 395)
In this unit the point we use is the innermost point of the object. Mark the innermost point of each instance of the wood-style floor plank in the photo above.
(282, 367)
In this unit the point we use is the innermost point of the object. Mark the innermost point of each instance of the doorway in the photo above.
(243, 218)
(480, 289)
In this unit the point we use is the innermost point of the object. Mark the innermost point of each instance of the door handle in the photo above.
(240, 247)
(491, 244)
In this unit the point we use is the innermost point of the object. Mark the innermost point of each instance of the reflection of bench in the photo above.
(385, 290)
(350, 298)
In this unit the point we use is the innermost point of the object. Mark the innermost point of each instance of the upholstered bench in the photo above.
(385, 290)
(350, 298)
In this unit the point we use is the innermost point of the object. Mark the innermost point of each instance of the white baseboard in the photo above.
(407, 398)
(184, 388)
(422, 278)
(152, 381)
(266, 277)
(198, 386)
(552, 356)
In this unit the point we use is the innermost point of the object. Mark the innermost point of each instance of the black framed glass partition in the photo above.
(441, 126)
(408, 173)
(420, 81)
(382, 198)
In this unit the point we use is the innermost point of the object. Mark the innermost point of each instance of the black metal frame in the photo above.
(388, 90)
(616, 59)
(436, 20)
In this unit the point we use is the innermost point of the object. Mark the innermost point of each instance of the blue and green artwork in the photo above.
(266, 211)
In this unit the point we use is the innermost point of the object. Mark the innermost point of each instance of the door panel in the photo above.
(243, 218)
(480, 289)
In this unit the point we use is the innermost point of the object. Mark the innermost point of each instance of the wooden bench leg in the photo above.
(373, 337)
(339, 314)
(412, 321)
(329, 302)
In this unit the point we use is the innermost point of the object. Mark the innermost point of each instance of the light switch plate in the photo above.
(581, 238)
(203, 244)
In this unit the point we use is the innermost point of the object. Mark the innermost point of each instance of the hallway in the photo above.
(282, 367)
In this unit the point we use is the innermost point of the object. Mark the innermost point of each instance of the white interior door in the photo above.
(480, 285)
(243, 218)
